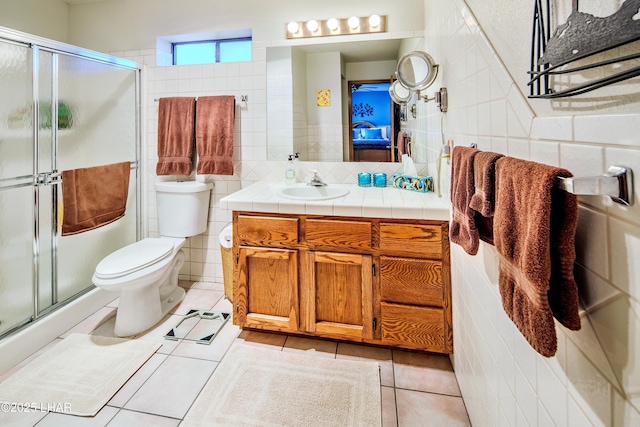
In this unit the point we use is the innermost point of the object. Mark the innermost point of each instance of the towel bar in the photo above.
(243, 98)
(617, 183)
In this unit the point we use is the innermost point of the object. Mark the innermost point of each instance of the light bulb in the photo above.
(312, 25)
(354, 22)
(293, 27)
(374, 21)
(333, 24)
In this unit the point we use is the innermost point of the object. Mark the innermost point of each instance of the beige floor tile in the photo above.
(164, 388)
(214, 351)
(212, 286)
(20, 419)
(114, 303)
(173, 387)
(311, 346)
(416, 408)
(224, 305)
(262, 339)
(197, 299)
(137, 380)
(101, 419)
(424, 372)
(389, 415)
(365, 352)
(126, 418)
(186, 284)
(157, 333)
(92, 322)
(106, 329)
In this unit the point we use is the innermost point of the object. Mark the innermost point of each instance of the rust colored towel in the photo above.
(402, 144)
(483, 199)
(94, 196)
(534, 231)
(214, 134)
(463, 229)
(175, 135)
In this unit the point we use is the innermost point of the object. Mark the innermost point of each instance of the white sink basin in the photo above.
(309, 192)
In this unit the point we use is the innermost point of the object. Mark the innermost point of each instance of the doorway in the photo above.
(371, 122)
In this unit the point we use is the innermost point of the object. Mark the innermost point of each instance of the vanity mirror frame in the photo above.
(400, 94)
(416, 70)
(282, 68)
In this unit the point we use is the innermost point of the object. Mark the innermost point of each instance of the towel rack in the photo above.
(617, 183)
(243, 98)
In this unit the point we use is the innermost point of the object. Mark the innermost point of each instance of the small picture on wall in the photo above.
(324, 97)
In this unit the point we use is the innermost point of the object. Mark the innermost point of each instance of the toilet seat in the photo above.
(134, 257)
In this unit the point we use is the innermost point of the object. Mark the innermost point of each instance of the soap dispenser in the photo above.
(290, 172)
(296, 165)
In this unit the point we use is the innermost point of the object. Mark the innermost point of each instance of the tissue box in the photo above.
(420, 184)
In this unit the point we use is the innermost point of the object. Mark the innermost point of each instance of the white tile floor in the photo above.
(417, 389)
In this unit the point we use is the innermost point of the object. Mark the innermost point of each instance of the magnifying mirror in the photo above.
(416, 70)
(399, 94)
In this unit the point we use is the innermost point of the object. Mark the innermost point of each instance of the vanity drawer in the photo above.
(336, 234)
(412, 239)
(411, 281)
(420, 328)
(267, 231)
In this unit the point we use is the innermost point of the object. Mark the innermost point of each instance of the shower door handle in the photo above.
(48, 178)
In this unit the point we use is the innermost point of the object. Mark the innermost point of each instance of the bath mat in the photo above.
(256, 386)
(77, 376)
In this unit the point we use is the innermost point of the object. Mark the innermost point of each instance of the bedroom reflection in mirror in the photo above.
(372, 121)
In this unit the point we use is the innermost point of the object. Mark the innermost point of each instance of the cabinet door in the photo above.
(336, 295)
(266, 289)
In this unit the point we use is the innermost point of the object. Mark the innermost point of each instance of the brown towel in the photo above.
(175, 136)
(94, 196)
(463, 229)
(534, 231)
(402, 144)
(483, 200)
(214, 134)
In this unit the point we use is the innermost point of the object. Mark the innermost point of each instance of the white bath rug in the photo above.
(77, 376)
(255, 386)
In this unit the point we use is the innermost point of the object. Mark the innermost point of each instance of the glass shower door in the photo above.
(97, 113)
(16, 186)
(58, 112)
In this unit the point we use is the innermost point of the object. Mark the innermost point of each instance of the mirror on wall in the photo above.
(310, 106)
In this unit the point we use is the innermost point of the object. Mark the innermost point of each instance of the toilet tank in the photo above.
(183, 207)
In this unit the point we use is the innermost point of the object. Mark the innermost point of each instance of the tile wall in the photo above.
(594, 379)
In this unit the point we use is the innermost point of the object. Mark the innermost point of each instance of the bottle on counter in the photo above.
(290, 172)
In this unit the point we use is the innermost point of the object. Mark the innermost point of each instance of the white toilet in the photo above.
(146, 272)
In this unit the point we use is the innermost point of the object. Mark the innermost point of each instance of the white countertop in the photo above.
(372, 202)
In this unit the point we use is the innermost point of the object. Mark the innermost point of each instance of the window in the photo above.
(210, 51)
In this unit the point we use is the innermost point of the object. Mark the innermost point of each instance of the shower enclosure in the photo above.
(61, 107)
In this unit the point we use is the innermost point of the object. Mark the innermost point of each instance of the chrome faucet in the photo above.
(316, 181)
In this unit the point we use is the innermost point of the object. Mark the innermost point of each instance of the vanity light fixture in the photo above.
(353, 22)
(312, 25)
(292, 27)
(337, 27)
(333, 24)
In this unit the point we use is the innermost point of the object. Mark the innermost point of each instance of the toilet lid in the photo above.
(134, 257)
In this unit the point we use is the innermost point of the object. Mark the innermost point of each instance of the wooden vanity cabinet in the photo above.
(371, 280)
